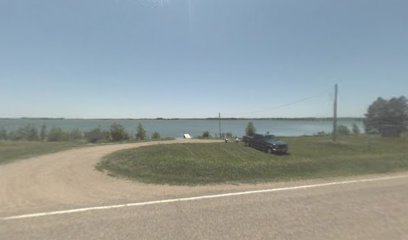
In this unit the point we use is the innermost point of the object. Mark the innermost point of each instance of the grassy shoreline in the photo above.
(310, 157)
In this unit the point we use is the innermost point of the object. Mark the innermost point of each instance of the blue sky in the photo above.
(195, 58)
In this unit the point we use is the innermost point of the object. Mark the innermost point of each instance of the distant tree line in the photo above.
(116, 133)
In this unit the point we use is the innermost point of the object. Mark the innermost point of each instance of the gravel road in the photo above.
(69, 179)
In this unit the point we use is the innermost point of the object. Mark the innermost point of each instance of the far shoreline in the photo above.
(176, 119)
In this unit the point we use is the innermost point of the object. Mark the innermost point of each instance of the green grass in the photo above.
(15, 150)
(310, 157)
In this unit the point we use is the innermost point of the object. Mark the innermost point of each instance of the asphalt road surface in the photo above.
(368, 207)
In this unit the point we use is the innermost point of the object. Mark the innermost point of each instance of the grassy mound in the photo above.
(310, 157)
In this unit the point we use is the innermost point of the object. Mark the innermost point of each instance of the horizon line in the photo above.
(179, 118)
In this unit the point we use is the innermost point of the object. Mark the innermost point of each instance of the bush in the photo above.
(95, 135)
(250, 129)
(321, 133)
(343, 130)
(140, 133)
(156, 136)
(76, 134)
(57, 135)
(118, 133)
(28, 133)
(206, 134)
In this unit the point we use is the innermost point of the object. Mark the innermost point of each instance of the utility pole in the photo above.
(219, 124)
(335, 113)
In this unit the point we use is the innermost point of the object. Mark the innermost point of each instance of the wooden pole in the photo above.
(219, 124)
(335, 113)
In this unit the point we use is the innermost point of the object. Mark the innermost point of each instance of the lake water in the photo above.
(176, 128)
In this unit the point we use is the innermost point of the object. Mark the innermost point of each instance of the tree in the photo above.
(387, 117)
(118, 133)
(250, 129)
(156, 136)
(141, 132)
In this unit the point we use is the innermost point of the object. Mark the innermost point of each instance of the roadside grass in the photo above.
(15, 150)
(310, 157)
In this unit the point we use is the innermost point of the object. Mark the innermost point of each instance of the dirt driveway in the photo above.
(68, 179)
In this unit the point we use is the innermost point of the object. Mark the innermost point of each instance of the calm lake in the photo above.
(176, 128)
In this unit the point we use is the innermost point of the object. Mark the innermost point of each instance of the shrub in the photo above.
(118, 133)
(76, 134)
(156, 136)
(321, 133)
(28, 132)
(206, 134)
(95, 135)
(57, 135)
(250, 129)
(140, 133)
(343, 130)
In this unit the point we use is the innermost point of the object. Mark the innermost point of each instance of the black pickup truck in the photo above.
(267, 143)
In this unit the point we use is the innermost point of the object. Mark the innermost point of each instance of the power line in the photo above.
(275, 107)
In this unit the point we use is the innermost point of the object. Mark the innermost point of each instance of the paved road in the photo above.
(355, 210)
(368, 210)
